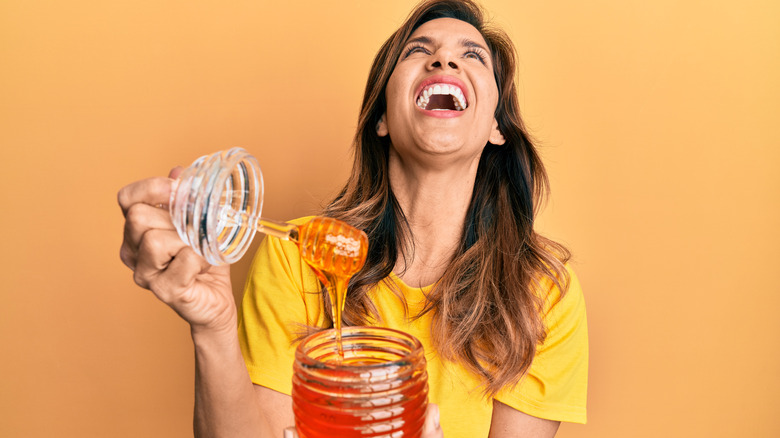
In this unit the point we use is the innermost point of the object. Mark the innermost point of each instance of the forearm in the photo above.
(509, 422)
(225, 402)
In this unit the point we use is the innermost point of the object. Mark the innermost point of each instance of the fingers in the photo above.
(138, 202)
(181, 271)
(164, 264)
(156, 250)
(139, 219)
(175, 172)
(167, 266)
(150, 191)
(432, 428)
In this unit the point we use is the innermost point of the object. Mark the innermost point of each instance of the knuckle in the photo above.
(163, 187)
(167, 291)
(152, 242)
(121, 197)
(140, 279)
(192, 258)
(136, 214)
(127, 256)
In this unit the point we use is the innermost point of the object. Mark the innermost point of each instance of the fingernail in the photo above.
(288, 433)
(436, 417)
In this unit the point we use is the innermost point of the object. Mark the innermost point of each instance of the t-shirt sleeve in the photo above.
(556, 385)
(281, 298)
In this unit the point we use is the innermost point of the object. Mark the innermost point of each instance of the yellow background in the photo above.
(658, 121)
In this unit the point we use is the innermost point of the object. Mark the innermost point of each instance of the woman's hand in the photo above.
(200, 293)
(432, 428)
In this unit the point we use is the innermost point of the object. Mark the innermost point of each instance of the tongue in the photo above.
(441, 101)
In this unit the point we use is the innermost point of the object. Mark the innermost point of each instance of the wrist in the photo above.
(217, 334)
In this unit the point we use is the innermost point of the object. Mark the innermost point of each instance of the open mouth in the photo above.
(442, 97)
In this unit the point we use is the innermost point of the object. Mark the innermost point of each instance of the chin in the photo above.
(451, 147)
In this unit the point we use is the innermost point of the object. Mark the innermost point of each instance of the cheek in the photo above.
(491, 100)
(398, 87)
(492, 90)
(391, 92)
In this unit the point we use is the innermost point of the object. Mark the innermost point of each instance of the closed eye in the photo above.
(415, 48)
(476, 53)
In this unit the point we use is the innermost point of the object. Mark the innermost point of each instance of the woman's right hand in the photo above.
(199, 292)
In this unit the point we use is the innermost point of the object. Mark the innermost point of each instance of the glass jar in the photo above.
(214, 204)
(378, 389)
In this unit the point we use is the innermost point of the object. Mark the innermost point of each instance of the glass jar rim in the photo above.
(411, 344)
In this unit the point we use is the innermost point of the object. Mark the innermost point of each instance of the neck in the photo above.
(435, 201)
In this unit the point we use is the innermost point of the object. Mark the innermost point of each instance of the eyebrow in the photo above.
(420, 39)
(464, 42)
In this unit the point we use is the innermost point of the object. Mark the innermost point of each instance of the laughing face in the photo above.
(442, 95)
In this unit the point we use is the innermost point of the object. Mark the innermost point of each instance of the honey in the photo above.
(377, 389)
(336, 252)
(370, 382)
(353, 381)
(333, 249)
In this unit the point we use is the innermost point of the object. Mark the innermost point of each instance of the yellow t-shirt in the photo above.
(282, 296)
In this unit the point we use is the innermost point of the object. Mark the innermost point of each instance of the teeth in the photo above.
(444, 89)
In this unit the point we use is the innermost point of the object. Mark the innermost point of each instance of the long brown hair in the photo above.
(487, 308)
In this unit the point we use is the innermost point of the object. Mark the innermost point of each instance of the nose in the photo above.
(442, 58)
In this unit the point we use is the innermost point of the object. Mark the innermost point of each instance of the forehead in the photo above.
(442, 29)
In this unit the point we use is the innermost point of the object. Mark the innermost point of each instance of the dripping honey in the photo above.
(370, 383)
(336, 252)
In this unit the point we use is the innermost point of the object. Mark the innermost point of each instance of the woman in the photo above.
(445, 183)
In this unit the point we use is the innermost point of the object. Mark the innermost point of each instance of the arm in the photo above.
(556, 384)
(509, 422)
(226, 401)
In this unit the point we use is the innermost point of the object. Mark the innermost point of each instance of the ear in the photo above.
(496, 137)
(381, 126)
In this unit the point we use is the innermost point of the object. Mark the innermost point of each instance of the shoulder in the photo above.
(562, 293)
(565, 316)
(555, 387)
